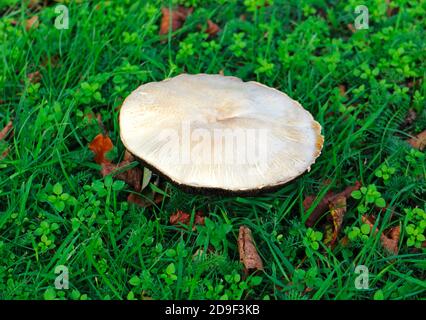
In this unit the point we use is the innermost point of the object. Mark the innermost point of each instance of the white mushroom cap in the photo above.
(218, 132)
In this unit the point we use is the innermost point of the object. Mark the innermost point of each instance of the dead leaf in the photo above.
(322, 207)
(390, 11)
(389, 243)
(101, 124)
(118, 108)
(248, 252)
(100, 145)
(181, 217)
(4, 153)
(51, 61)
(337, 210)
(34, 77)
(212, 28)
(32, 23)
(344, 241)
(6, 130)
(144, 202)
(324, 204)
(419, 141)
(410, 118)
(342, 90)
(173, 18)
(39, 4)
(133, 176)
(34, 4)
(351, 27)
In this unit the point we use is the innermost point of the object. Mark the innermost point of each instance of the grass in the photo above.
(57, 210)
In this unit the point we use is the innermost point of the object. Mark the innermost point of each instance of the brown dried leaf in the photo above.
(32, 23)
(248, 252)
(337, 210)
(34, 4)
(100, 145)
(51, 61)
(144, 202)
(320, 208)
(351, 27)
(173, 18)
(133, 176)
(212, 28)
(34, 77)
(181, 217)
(4, 153)
(100, 123)
(324, 204)
(342, 90)
(410, 118)
(419, 141)
(389, 243)
(128, 156)
(6, 130)
(390, 11)
(344, 241)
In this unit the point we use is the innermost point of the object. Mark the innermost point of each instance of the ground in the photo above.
(62, 86)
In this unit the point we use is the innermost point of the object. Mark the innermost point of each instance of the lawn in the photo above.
(62, 85)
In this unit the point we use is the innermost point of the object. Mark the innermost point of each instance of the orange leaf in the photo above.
(34, 77)
(351, 27)
(100, 145)
(212, 28)
(419, 141)
(181, 217)
(342, 90)
(3, 134)
(248, 252)
(31, 23)
(173, 18)
(5, 131)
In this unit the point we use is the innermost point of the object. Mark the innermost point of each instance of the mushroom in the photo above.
(218, 133)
